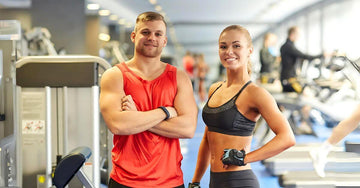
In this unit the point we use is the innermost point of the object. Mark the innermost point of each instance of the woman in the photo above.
(268, 59)
(230, 114)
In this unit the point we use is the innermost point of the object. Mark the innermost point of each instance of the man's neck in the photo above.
(147, 68)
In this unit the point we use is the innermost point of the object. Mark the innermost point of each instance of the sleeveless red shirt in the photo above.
(147, 159)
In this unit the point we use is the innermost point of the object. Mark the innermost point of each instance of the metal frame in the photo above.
(63, 59)
(48, 137)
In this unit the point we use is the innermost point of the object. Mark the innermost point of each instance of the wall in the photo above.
(70, 28)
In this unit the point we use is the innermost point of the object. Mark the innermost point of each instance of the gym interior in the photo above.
(53, 55)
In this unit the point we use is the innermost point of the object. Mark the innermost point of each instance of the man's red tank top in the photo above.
(147, 159)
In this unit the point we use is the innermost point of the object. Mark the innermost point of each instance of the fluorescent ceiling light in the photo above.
(113, 17)
(93, 6)
(158, 8)
(104, 12)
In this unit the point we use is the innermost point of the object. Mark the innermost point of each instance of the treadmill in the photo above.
(298, 158)
(309, 179)
(351, 146)
(341, 171)
(294, 168)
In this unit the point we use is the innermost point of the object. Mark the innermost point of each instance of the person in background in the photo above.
(233, 107)
(268, 59)
(189, 65)
(345, 127)
(202, 70)
(148, 105)
(290, 56)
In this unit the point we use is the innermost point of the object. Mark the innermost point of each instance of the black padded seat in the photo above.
(70, 165)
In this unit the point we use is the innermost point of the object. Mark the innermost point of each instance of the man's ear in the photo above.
(165, 41)
(132, 37)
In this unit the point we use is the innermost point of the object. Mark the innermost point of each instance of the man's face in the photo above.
(149, 38)
(295, 35)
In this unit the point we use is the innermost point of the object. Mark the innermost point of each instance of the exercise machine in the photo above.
(309, 179)
(70, 166)
(342, 169)
(10, 35)
(298, 159)
(58, 110)
(113, 53)
(37, 41)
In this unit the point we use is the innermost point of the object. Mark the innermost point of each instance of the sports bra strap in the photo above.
(237, 94)
(215, 90)
(243, 87)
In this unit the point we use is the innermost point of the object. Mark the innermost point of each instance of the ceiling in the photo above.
(195, 25)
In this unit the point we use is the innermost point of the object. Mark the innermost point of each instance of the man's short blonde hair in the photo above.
(149, 16)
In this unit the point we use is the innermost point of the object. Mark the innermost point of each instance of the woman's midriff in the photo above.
(218, 142)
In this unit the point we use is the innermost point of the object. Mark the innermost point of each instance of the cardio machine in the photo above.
(295, 168)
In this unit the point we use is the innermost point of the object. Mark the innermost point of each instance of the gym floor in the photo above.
(190, 150)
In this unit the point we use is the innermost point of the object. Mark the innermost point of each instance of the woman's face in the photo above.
(234, 50)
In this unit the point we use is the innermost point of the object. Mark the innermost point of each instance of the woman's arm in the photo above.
(269, 110)
(203, 159)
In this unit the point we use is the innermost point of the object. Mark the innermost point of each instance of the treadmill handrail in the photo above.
(356, 66)
(63, 59)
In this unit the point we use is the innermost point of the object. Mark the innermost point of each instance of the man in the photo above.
(289, 57)
(148, 105)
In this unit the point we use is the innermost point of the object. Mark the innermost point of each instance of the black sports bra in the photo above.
(227, 119)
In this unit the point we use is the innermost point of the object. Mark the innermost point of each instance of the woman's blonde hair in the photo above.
(247, 36)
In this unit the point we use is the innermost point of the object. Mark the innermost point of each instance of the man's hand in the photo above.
(128, 104)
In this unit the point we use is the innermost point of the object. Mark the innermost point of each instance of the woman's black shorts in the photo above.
(243, 178)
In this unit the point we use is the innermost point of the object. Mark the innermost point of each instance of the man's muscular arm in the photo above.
(118, 120)
(184, 125)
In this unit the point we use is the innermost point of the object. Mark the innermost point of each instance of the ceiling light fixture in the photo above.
(153, 2)
(113, 17)
(158, 8)
(93, 6)
(104, 12)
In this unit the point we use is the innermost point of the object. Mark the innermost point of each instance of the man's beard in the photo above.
(149, 53)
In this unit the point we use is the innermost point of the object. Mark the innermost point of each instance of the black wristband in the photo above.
(194, 185)
(166, 112)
